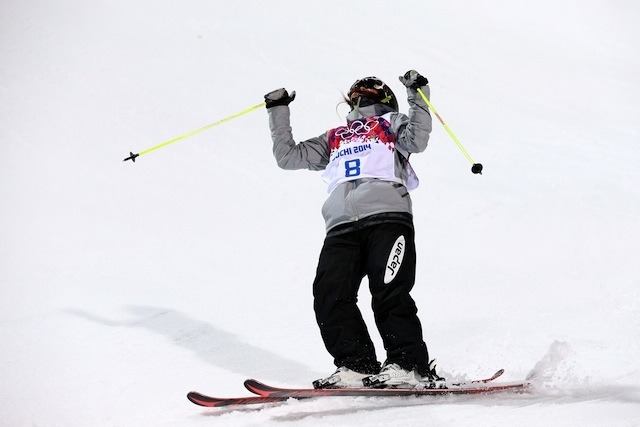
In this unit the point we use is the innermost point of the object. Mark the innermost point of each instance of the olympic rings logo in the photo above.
(357, 128)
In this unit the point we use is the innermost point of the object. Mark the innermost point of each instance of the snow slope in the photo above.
(123, 286)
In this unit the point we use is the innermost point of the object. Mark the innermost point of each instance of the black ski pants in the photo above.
(345, 259)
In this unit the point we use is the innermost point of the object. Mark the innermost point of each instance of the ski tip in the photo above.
(195, 397)
(250, 384)
(498, 373)
(258, 387)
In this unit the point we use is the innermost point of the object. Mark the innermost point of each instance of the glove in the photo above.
(279, 97)
(413, 79)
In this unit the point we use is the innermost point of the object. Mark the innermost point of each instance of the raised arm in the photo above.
(312, 154)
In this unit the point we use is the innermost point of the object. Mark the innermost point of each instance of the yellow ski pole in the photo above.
(476, 167)
(133, 156)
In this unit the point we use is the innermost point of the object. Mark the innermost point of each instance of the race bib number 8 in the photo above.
(360, 160)
(352, 168)
(365, 148)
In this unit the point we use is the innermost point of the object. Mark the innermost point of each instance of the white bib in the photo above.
(362, 149)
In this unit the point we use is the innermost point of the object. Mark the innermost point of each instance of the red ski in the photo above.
(262, 389)
(269, 394)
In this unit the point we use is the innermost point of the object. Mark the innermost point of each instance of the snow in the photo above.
(124, 286)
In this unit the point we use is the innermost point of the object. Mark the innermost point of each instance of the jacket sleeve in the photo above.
(412, 132)
(312, 154)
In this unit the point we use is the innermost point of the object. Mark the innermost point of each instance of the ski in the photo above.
(215, 402)
(269, 394)
(262, 389)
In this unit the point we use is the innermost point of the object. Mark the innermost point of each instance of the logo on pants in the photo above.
(395, 260)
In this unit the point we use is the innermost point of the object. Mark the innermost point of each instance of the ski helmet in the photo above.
(369, 91)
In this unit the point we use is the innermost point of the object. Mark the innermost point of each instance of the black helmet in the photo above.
(369, 91)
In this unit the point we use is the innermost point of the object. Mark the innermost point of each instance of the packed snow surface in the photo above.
(125, 285)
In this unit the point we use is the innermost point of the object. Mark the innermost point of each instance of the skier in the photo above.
(370, 232)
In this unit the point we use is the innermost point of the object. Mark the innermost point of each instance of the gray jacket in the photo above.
(363, 198)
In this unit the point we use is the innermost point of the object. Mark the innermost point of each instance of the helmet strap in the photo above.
(356, 107)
